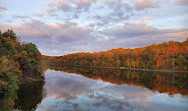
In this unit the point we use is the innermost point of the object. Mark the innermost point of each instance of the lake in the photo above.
(94, 89)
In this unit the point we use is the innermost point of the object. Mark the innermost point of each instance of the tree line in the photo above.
(171, 56)
(18, 61)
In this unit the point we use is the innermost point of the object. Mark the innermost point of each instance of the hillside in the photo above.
(171, 56)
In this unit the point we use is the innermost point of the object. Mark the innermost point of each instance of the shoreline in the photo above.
(24, 81)
(135, 69)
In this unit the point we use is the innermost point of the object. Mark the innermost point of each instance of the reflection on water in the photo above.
(161, 82)
(92, 89)
(28, 96)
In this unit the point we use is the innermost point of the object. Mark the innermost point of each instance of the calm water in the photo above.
(105, 90)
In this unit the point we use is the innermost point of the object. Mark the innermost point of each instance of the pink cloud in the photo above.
(181, 2)
(183, 34)
(66, 5)
(63, 31)
(143, 4)
(146, 17)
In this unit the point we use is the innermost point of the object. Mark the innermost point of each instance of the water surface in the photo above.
(105, 90)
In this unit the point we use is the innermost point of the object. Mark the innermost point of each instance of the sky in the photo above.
(60, 27)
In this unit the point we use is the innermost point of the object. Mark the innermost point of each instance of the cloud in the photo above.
(55, 38)
(134, 29)
(182, 34)
(9, 21)
(119, 9)
(83, 3)
(39, 14)
(69, 5)
(78, 9)
(69, 37)
(109, 12)
(69, 26)
(147, 17)
(168, 1)
(120, 4)
(139, 34)
(181, 2)
(20, 16)
(144, 4)
(63, 31)
(2, 9)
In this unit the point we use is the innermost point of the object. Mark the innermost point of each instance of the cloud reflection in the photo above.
(71, 92)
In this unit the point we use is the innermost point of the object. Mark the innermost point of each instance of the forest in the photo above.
(19, 62)
(170, 56)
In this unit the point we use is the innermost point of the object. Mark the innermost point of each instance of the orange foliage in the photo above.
(10, 41)
(163, 56)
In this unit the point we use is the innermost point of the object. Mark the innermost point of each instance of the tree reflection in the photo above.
(155, 81)
(29, 96)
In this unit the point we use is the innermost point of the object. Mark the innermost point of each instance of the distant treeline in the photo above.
(17, 62)
(171, 56)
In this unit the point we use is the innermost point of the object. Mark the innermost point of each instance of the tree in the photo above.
(128, 62)
(10, 33)
(133, 63)
(15, 59)
(173, 64)
(118, 63)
